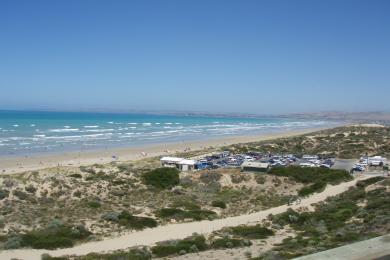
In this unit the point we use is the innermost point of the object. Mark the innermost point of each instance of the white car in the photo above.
(249, 159)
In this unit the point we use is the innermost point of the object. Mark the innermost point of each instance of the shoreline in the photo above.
(19, 164)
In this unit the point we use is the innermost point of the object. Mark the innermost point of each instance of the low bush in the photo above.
(209, 177)
(94, 204)
(76, 175)
(317, 177)
(30, 189)
(132, 254)
(135, 222)
(179, 214)
(230, 243)
(4, 194)
(312, 174)
(218, 204)
(260, 179)
(54, 236)
(315, 187)
(162, 178)
(194, 243)
(367, 182)
(20, 194)
(252, 232)
(186, 204)
(99, 176)
(124, 167)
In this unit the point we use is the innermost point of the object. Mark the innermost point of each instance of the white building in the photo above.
(179, 163)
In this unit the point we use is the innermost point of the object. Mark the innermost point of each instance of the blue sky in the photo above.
(213, 56)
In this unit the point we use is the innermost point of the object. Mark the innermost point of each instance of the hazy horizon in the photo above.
(252, 57)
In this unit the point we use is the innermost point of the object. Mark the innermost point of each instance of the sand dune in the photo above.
(173, 231)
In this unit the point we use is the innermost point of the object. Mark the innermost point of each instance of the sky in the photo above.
(215, 56)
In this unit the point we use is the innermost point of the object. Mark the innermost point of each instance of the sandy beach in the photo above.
(12, 165)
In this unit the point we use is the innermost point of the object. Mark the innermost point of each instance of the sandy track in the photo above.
(173, 231)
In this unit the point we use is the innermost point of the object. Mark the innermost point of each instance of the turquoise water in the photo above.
(24, 133)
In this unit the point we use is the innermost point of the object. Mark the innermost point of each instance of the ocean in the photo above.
(28, 132)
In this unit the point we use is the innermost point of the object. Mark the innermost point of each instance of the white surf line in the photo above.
(174, 231)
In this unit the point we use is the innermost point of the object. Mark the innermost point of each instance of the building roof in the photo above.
(178, 160)
(255, 165)
(171, 159)
(188, 162)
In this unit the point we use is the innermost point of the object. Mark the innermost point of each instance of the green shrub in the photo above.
(317, 177)
(135, 222)
(315, 187)
(132, 254)
(190, 244)
(200, 214)
(170, 213)
(218, 204)
(124, 167)
(76, 175)
(30, 189)
(252, 232)
(97, 176)
(94, 204)
(4, 194)
(162, 178)
(186, 204)
(20, 194)
(48, 257)
(260, 179)
(367, 182)
(230, 243)
(175, 213)
(54, 236)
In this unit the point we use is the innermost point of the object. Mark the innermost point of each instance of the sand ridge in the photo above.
(175, 231)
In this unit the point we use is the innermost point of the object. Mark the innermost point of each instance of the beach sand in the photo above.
(12, 165)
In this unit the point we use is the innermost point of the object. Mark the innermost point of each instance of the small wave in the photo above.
(15, 125)
(98, 130)
(66, 130)
(78, 137)
(147, 124)
(32, 125)
(66, 126)
(110, 122)
(91, 126)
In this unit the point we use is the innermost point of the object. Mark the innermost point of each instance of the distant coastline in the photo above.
(365, 117)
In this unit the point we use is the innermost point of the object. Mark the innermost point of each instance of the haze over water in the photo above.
(24, 133)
